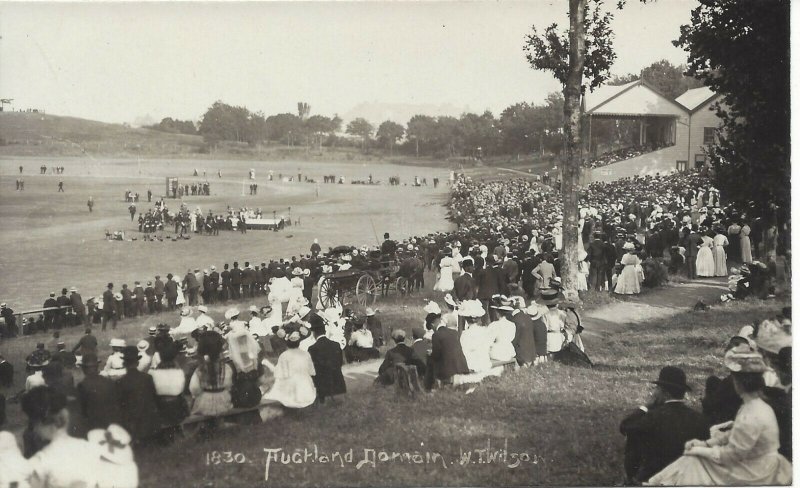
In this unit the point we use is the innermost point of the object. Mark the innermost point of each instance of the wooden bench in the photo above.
(264, 410)
(407, 380)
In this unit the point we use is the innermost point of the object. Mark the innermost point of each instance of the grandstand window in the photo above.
(699, 160)
(681, 165)
(708, 135)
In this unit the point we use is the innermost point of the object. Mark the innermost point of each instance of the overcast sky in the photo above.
(118, 62)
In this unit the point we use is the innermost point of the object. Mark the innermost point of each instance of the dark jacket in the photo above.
(692, 242)
(97, 396)
(138, 404)
(399, 354)
(465, 287)
(327, 358)
(491, 281)
(158, 287)
(655, 439)
(171, 289)
(447, 356)
(108, 301)
(422, 349)
(524, 342)
(77, 304)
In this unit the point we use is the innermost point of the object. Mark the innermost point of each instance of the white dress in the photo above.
(51, 470)
(503, 332)
(744, 235)
(720, 258)
(705, 258)
(746, 455)
(476, 342)
(628, 282)
(445, 282)
(294, 385)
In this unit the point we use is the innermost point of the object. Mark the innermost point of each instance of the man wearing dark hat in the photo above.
(657, 433)
(158, 289)
(109, 308)
(327, 358)
(78, 307)
(61, 314)
(97, 395)
(388, 247)
(596, 257)
(50, 315)
(171, 292)
(137, 399)
(399, 354)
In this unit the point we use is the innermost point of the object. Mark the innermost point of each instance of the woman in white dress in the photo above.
(181, 300)
(502, 331)
(476, 340)
(744, 244)
(628, 282)
(705, 258)
(720, 257)
(445, 281)
(742, 452)
(294, 383)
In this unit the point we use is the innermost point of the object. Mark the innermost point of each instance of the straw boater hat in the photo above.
(297, 272)
(471, 308)
(253, 309)
(142, 345)
(231, 313)
(202, 308)
(501, 302)
(535, 310)
(118, 296)
(117, 343)
(744, 359)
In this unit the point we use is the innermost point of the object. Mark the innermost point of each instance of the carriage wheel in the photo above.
(402, 286)
(327, 294)
(366, 290)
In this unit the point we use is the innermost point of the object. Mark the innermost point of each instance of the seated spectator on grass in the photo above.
(360, 347)
(524, 342)
(115, 467)
(244, 353)
(720, 402)
(294, 384)
(35, 364)
(743, 451)
(15, 470)
(327, 358)
(57, 459)
(476, 340)
(655, 433)
(420, 345)
(114, 367)
(170, 382)
(97, 395)
(503, 332)
(447, 357)
(374, 326)
(399, 354)
(212, 380)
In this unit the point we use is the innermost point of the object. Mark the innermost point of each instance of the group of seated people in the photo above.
(458, 346)
(743, 436)
(620, 155)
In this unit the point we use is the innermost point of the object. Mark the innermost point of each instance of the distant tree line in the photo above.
(520, 129)
(174, 126)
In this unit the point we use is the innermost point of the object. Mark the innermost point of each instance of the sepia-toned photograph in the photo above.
(395, 243)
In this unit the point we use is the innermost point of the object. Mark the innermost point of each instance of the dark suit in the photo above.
(97, 396)
(109, 308)
(524, 343)
(327, 358)
(491, 281)
(692, 242)
(447, 357)
(596, 256)
(655, 439)
(138, 405)
(78, 307)
(422, 349)
(465, 288)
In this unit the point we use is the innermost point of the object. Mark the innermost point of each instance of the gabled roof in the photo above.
(637, 98)
(695, 98)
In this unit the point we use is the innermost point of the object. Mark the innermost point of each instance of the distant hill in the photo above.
(399, 112)
(37, 134)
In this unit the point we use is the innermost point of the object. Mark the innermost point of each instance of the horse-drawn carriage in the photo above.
(362, 281)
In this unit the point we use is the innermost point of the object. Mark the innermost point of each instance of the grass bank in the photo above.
(551, 425)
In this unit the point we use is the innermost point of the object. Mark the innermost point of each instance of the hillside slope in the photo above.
(37, 134)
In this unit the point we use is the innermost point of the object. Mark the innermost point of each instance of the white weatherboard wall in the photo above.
(704, 117)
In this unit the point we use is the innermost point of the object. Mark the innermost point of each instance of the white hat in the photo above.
(142, 345)
(306, 272)
(297, 271)
(185, 311)
(117, 343)
(433, 307)
(304, 310)
(471, 308)
(370, 312)
(449, 299)
(114, 443)
(628, 246)
(253, 308)
(231, 313)
(202, 308)
(772, 337)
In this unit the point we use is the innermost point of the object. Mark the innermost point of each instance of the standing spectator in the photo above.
(87, 344)
(6, 373)
(171, 291)
(150, 297)
(139, 299)
(158, 288)
(109, 307)
(78, 307)
(375, 327)
(97, 395)
(63, 302)
(7, 314)
(137, 399)
(50, 315)
(191, 285)
(327, 358)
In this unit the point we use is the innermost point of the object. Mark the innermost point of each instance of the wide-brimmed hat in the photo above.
(304, 310)
(369, 312)
(535, 311)
(202, 308)
(471, 308)
(549, 296)
(117, 296)
(114, 443)
(297, 272)
(744, 359)
(501, 302)
(142, 345)
(432, 307)
(672, 377)
(39, 358)
(772, 337)
(117, 343)
(628, 246)
(231, 313)
(399, 335)
(252, 308)
(72, 289)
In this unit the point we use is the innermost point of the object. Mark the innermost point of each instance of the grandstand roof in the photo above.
(695, 98)
(637, 98)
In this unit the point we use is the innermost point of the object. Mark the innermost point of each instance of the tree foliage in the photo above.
(223, 122)
(740, 51)
(389, 133)
(667, 78)
(362, 128)
(174, 126)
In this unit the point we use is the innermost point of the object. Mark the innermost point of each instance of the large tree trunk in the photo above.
(570, 172)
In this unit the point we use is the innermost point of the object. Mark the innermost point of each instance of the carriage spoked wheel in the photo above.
(327, 293)
(366, 290)
(402, 286)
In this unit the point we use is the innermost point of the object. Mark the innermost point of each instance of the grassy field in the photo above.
(550, 425)
(51, 240)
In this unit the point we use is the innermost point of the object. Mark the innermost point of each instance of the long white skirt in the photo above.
(705, 262)
(445, 281)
